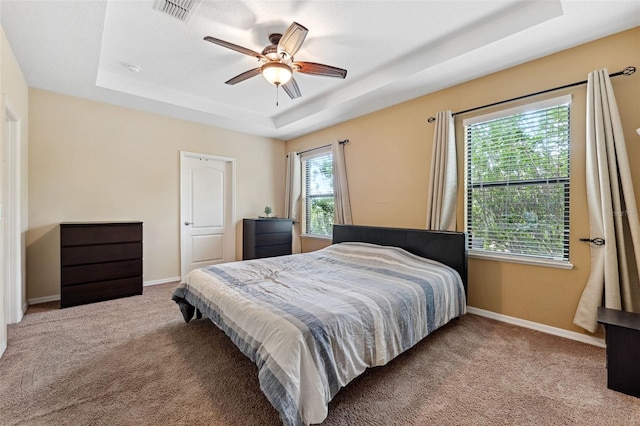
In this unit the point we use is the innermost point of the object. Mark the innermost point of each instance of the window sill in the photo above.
(522, 260)
(316, 237)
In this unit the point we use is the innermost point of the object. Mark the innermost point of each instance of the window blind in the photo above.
(318, 194)
(517, 181)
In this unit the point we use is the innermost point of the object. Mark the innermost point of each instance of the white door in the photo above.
(206, 210)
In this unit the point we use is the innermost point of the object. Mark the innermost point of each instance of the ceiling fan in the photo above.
(277, 60)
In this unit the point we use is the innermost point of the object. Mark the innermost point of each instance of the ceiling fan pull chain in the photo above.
(277, 94)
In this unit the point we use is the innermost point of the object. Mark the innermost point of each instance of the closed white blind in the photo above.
(517, 181)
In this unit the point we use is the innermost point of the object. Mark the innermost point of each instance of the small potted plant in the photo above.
(267, 211)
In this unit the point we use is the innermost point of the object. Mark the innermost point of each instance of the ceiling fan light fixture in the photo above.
(276, 60)
(276, 73)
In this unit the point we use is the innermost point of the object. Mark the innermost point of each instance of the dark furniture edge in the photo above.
(618, 318)
(102, 223)
(445, 247)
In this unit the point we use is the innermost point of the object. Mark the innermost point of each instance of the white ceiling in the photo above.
(393, 50)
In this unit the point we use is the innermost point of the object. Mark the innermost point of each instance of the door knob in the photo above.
(187, 223)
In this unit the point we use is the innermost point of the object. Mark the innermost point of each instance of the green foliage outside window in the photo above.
(321, 216)
(518, 184)
(319, 195)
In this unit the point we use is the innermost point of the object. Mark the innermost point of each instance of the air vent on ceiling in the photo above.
(177, 8)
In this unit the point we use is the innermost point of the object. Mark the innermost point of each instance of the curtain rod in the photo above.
(323, 146)
(627, 71)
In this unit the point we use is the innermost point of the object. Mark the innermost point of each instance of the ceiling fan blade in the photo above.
(235, 47)
(292, 39)
(244, 76)
(320, 69)
(292, 89)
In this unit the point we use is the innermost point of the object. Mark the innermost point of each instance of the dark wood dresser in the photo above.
(99, 261)
(266, 238)
(622, 333)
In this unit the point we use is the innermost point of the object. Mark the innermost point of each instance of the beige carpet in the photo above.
(134, 361)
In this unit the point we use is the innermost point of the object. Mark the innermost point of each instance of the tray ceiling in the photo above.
(132, 54)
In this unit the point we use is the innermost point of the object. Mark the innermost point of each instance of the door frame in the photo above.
(11, 289)
(231, 209)
(11, 201)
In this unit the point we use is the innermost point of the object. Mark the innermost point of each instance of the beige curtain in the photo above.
(443, 180)
(341, 203)
(613, 211)
(293, 192)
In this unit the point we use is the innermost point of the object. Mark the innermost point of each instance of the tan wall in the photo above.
(91, 161)
(389, 157)
(308, 244)
(15, 92)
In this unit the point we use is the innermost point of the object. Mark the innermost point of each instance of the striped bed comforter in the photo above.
(313, 322)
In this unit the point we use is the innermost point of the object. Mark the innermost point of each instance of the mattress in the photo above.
(313, 322)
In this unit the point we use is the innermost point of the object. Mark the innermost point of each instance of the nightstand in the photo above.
(622, 331)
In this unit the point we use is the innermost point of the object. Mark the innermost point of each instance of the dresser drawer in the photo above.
(266, 238)
(265, 226)
(273, 239)
(100, 272)
(99, 291)
(99, 261)
(270, 251)
(79, 255)
(76, 235)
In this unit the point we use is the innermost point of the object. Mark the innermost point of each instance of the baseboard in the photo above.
(45, 299)
(56, 297)
(561, 332)
(161, 281)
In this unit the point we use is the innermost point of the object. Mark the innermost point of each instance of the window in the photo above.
(317, 193)
(517, 182)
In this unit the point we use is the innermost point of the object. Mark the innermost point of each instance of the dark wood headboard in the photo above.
(446, 247)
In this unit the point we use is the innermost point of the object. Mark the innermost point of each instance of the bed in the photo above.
(313, 322)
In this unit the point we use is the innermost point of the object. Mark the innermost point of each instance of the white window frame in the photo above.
(499, 256)
(320, 152)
